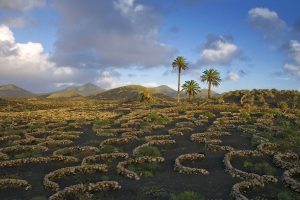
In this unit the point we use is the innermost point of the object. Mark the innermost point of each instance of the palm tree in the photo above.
(212, 77)
(191, 88)
(180, 64)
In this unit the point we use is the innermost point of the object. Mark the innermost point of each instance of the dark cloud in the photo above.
(103, 34)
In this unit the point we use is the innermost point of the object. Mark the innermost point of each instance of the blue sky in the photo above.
(48, 45)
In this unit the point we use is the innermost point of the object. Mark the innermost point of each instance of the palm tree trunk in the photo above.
(178, 91)
(209, 90)
(190, 97)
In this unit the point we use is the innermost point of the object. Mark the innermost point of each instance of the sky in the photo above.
(47, 45)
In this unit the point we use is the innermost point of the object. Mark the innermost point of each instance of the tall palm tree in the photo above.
(179, 63)
(191, 88)
(212, 77)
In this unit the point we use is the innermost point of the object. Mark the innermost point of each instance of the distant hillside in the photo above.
(77, 91)
(166, 90)
(13, 91)
(64, 94)
(270, 98)
(128, 93)
(132, 92)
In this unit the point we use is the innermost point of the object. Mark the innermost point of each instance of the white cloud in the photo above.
(233, 76)
(293, 69)
(219, 50)
(67, 84)
(150, 84)
(21, 4)
(264, 13)
(128, 6)
(6, 35)
(293, 66)
(268, 22)
(63, 71)
(26, 61)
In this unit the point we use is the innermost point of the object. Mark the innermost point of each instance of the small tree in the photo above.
(191, 88)
(146, 96)
(212, 77)
(180, 64)
(283, 106)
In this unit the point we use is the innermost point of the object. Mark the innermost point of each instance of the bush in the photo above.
(276, 112)
(284, 195)
(108, 149)
(244, 114)
(247, 164)
(99, 123)
(209, 115)
(158, 119)
(145, 169)
(149, 151)
(146, 174)
(186, 196)
(31, 154)
(255, 142)
(283, 106)
(259, 168)
(39, 198)
(264, 168)
(105, 178)
(146, 96)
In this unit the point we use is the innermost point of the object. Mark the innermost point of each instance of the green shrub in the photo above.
(244, 114)
(39, 198)
(255, 142)
(108, 149)
(30, 154)
(284, 195)
(144, 124)
(186, 196)
(209, 115)
(158, 119)
(105, 178)
(259, 168)
(259, 198)
(149, 151)
(264, 168)
(146, 174)
(247, 164)
(276, 112)
(151, 166)
(99, 123)
(145, 170)
(283, 106)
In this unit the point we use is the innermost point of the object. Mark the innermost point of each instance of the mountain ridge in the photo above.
(13, 91)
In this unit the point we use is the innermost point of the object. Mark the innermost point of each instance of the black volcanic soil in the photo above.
(216, 185)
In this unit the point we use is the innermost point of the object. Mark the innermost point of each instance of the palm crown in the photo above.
(212, 77)
(180, 63)
(191, 88)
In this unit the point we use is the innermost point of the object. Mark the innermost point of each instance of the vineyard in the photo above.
(87, 149)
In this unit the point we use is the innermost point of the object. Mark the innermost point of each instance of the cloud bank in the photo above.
(114, 34)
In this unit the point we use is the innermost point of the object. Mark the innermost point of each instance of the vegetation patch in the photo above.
(187, 196)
